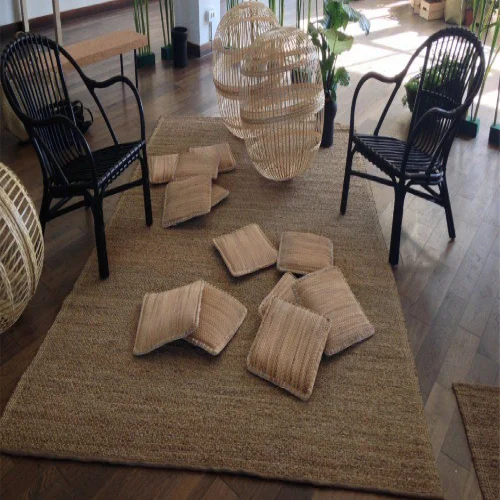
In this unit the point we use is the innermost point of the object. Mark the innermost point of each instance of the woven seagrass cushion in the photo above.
(283, 290)
(162, 168)
(246, 250)
(303, 253)
(218, 194)
(222, 152)
(168, 316)
(326, 292)
(220, 317)
(190, 164)
(288, 347)
(187, 198)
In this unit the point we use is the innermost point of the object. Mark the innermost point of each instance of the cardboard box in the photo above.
(431, 11)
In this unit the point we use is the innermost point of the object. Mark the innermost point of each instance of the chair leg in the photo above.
(447, 209)
(145, 188)
(44, 209)
(347, 179)
(100, 237)
(397, 222)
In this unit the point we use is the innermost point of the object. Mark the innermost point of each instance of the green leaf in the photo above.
(338, 41)
(342, 77)
(357, 17)
(335, 14)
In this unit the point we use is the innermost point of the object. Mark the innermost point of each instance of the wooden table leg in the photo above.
(25, 17)
(57, 20)
(136, 73)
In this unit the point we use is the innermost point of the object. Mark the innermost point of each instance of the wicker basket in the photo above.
(21, 248)
(239, 27)
(282, 103)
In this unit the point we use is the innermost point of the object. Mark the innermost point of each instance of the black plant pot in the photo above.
(167, 53)
(329, 123)
(179, 45)
(145, 60)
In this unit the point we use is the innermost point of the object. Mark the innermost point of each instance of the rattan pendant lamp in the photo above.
(282, 103)
(237, 30)
(21, 248)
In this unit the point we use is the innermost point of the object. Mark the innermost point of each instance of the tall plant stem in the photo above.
(163, 21)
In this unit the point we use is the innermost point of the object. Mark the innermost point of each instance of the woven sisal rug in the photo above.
(86, 396)
(480, 409)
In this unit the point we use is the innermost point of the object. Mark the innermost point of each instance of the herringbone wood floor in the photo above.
(449, 290)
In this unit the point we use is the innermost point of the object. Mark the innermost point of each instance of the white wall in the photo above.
(192, 15)
(10, 12)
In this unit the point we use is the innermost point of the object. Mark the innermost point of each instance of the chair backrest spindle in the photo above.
(449, 79)
(34, 84)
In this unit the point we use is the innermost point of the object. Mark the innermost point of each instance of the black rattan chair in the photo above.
(451, 75)
(33, 80)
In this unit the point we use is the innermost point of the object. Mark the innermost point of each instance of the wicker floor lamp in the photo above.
(21, 248)
(239, 27)
(282, 103)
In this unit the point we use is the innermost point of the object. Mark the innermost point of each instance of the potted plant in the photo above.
(435, 78)
(141, 20)
(167, 23)
(328, 35)
(485, 18)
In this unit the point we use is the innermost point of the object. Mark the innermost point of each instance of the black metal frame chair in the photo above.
(456, 57)
(32, 76)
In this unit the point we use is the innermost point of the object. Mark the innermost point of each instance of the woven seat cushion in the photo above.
(326, 292)
(168, 316)
(303, 253)
(222, 152)
(162, 168)
(187, 198)
(218, 194)
(246, 250)
(190, 164)
(283, 290)
(288, 347)
(220, 317)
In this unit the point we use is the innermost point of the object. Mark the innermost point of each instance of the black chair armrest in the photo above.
(64, 121)
(397, 79)
(93, 84)
(454, 114)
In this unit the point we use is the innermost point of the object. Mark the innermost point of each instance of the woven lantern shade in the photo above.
(237, 30)
(21, 248)
(282, 103)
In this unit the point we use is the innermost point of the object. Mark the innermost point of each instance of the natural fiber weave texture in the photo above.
(288, 347)
(222, 152)
(187, 198)
(220, 317)
(303, 253)
(190, 164)
(362, 428)
(480, 409)
(282, 103)
(283, 290)
(162, 168)
(21, 248)
(218, 194)
(168, 316)
(237, 30)
(326, 292)
(246, 250)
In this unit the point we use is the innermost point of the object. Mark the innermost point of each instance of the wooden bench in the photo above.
(104, 47)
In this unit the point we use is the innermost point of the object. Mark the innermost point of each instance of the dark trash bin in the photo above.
(179, 43)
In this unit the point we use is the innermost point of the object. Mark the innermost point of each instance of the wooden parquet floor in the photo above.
(450, 291)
